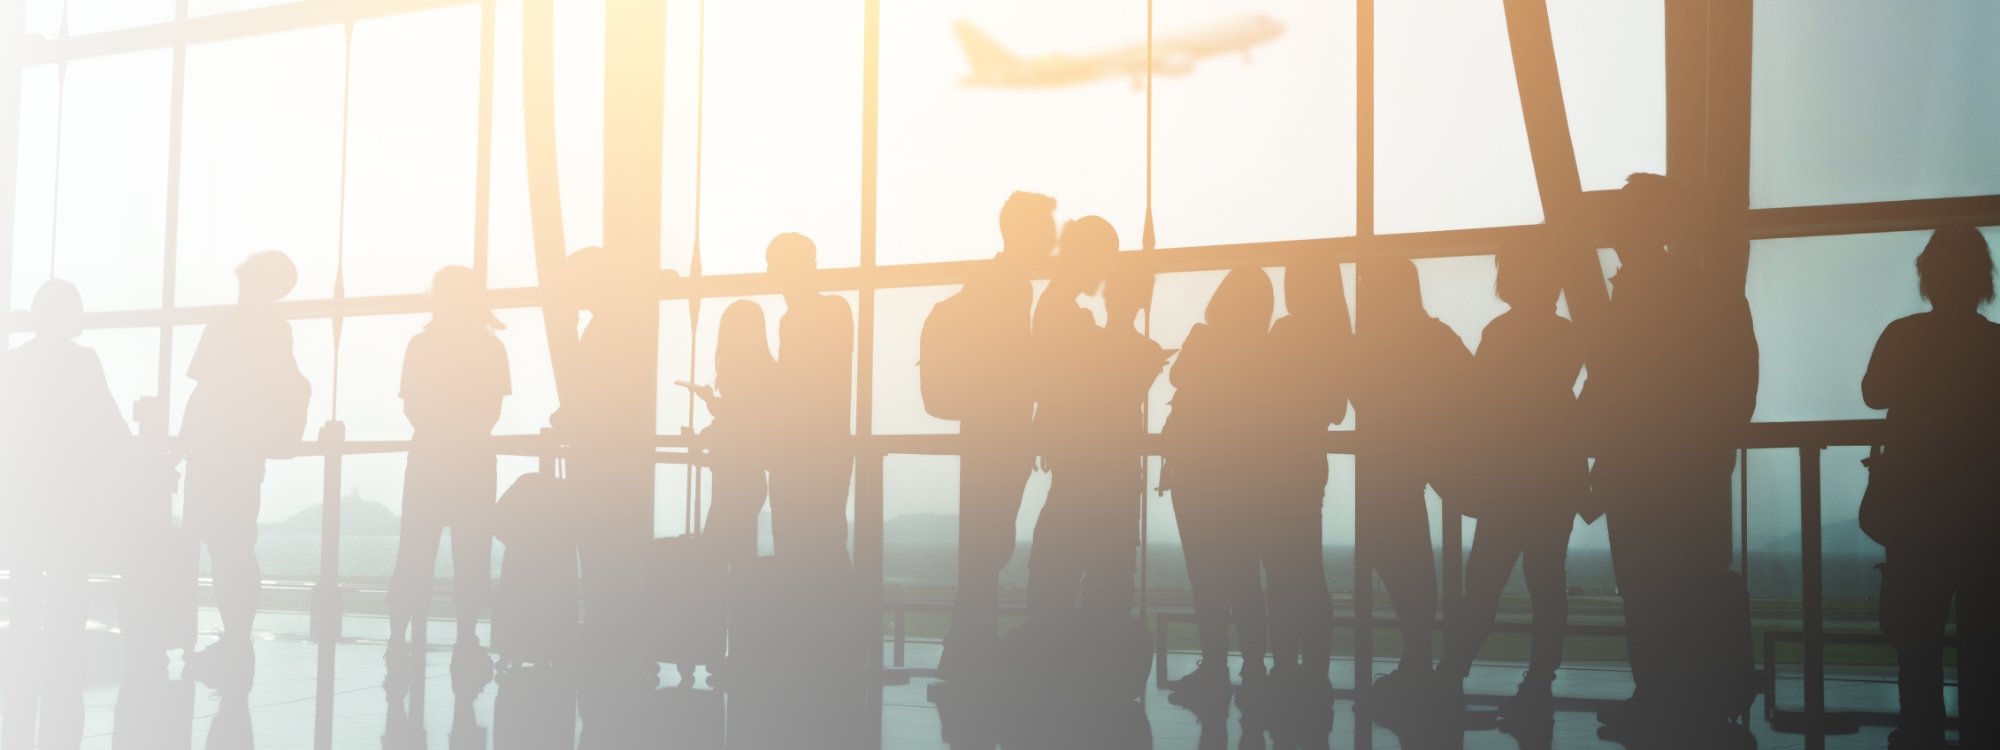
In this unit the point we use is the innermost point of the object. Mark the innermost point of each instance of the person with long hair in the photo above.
(455, 375)
(1410, 368)
(1220, 463)
(1931, 500)
(741, 400)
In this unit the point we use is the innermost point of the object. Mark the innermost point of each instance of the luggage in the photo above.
(948, 370)
(1082, 657)
(686, 615)
(535, 605)
(1690, 643)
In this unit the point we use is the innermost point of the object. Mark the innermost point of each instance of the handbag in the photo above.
(1888, 486)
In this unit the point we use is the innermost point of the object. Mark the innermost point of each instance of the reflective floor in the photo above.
(525, 709)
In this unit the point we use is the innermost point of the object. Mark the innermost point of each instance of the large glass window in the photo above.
(1860, 101)
(111, 179)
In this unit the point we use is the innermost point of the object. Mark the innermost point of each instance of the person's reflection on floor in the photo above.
(403, 728)
(535, 709)
(63, 448)
(230, 729)
(153, 713)
(466, 732)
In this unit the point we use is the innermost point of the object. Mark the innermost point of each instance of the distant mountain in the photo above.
(358, 517)
(922, 527)
(1839, 537)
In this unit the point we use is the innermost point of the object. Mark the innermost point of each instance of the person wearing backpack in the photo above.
(1930, 500)
(248, 406)
(974, 356)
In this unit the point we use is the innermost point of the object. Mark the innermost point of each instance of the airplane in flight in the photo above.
(995, 67)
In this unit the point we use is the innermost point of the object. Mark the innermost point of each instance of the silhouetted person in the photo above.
(743, 401)
(610, 465)
(1931, 499)
(63, 448)
(811, 474)
(1409, 370)
(248, 406)
(975, 362)
(1090, 388)
(1308, 383)
(1533, 475)
(1220, 463)
(454, 376)
(1673, 380)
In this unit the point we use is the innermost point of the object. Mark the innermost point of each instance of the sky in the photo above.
(1855, 101)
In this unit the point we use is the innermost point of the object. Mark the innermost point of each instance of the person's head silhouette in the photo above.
(58, 311)
(741, 342)
(791, 258)
(1651, 212)
(1242, 304)
(1955, 271)
(1313, 290)
(1526, 280)
(265, 277)
(458, 297)
(1089, 246)
(1389, 295)
(602, 279)
(1027, 226)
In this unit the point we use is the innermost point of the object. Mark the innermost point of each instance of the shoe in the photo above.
(224, 665)
(1533, 700)
(1204, 678)
(471, 668)
(1407, 689)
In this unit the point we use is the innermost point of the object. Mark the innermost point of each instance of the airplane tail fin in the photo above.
(984, 53)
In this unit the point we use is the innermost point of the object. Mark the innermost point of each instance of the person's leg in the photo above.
(1978, 629)
(989, 489)
(1055, 567)
(1395, 527)
(737, 499)
(1201, 547)
(1242, 576)
(412, 580)
(1913, 612)
(1496, 545)
(24, 643)
(471, 569)
(1301, 611)
(65, 659)
(232, 549)
(1544, 558)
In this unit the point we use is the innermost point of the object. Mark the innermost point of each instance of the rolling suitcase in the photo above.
(1695, 635)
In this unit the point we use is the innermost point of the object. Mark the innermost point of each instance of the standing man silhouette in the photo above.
(1090, 386)
(1930, 498)
(64, 449)
(248, 406)
(1411, 369)
(455, 375)
(811, 475)
(1673, 379)
(976, 354)
(610, 465)
(1309, 351)
(1535, 476)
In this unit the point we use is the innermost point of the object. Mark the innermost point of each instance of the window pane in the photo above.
(510, 241)
(952, 152)
(1451, 150)
(1256, 142)
(371, 375)
(1613, 59)
(1863, 101)
(527, 411)
(111, 183)
(899, 325)
(131, 359)
(260, 161)
(413, 115)
(782, 131)
(92, 16)
(212, 7)
(1820, 303)
(35, 183)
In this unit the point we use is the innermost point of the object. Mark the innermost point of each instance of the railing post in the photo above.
(326, 594)
(901, 616)
(1810, 571)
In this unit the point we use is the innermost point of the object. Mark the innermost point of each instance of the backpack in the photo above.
(946, 371)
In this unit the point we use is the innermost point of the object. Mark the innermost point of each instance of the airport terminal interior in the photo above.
(999, 374)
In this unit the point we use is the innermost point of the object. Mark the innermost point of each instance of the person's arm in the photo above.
(1887, 365)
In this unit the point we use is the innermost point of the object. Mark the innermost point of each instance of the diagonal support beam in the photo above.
(1549, 144)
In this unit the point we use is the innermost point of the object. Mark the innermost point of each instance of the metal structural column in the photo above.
(1364, 228)
(635, 60)
(13, 20)
(1549, 145)
(868, 463)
